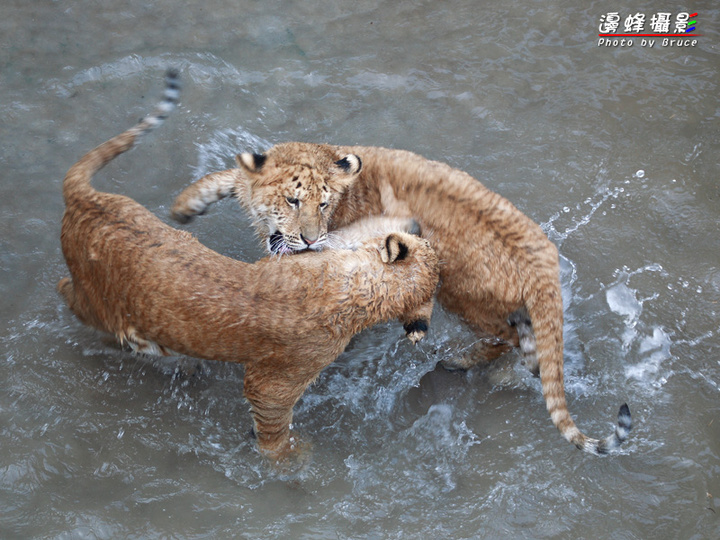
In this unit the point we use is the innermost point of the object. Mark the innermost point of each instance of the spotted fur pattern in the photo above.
(290, 212)
(286, 318)
(498, 270)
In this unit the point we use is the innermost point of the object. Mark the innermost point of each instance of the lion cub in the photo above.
(286, 318)
(499, 271)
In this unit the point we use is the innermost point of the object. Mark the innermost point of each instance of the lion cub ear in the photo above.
(394, 249)
(347, 170)
(350, 164)
(252, 163)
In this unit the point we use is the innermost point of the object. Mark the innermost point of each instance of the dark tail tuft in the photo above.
(77, 180)
(170, 99)
(622, 431)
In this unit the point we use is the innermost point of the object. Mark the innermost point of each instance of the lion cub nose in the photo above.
(309, 240)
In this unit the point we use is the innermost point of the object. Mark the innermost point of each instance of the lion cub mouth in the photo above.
(277, 245)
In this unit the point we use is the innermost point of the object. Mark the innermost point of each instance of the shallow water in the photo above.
(613, 150)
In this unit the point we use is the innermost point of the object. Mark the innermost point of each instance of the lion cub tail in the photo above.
(77, 179)
(540, 331)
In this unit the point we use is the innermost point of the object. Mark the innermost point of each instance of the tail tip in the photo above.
(624, 418)
(172, 89)
(172, 74)
(613, 442)
(622, 432)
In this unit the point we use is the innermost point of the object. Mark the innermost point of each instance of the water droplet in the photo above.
(640, 173)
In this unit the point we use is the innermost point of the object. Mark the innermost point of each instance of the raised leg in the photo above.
(195, 199)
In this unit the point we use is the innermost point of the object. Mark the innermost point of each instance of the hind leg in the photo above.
(67, 289)
(528, 348)
(480, 354)
(78, 304)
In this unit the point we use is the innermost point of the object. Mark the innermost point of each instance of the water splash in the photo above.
(593, 203)
(623, 301)
(654, 350)
(214, 154)
(435, 447)
(206, 69)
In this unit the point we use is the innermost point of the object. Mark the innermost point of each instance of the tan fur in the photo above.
(498, 269)
(285, 318)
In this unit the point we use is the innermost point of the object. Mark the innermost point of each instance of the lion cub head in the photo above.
(292, 191)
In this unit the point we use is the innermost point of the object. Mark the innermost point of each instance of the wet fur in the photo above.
(286, 318)
(498, 269)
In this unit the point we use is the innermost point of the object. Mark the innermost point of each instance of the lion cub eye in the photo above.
(323, 206)
(292, 201)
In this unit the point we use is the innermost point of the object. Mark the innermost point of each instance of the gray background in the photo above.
(614, 151)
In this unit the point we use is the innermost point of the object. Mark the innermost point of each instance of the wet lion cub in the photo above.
(286, 318)
(498, 269)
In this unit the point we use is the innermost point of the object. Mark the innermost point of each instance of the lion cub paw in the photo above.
(416, 330)
(184, 211)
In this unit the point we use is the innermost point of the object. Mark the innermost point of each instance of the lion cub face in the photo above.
(291, 192)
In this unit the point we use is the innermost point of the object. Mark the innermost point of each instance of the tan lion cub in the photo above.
(499, 271)
(286, 318)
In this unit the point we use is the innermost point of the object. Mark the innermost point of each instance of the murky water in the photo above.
(613, 150)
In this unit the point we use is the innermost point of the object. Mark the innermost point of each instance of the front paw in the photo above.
(184, 214)
(182, 219)
(416, 330)
(289, 459)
